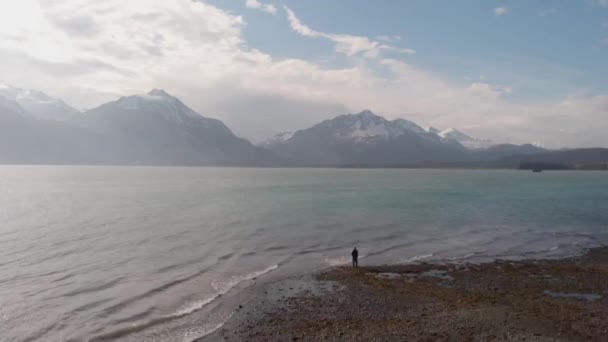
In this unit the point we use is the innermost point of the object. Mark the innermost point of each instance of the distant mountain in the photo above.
(153, 129)
(10, 110)
(466, 140)
(157, 128)
(432, 130)
(366, 139)
(39, 105)
(25, 139)
(277, 139)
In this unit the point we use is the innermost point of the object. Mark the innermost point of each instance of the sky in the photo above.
(511, 71)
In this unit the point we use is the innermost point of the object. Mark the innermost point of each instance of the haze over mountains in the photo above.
(150, 129)
(366, 139)
(158, 129)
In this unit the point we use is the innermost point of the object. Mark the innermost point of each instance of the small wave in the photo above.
(90, 305)
(198, 333)
(195, 306)
(226, 256)
(275, 248)
(97, 288)
(418, 258)
(178, 265)
(466, 256)
(221, 287)
(343, 260)
(224, 286)
(337, 261)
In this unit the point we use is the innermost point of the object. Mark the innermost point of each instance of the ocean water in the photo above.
(145, 254)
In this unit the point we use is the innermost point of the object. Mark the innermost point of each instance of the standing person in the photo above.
(355, 254)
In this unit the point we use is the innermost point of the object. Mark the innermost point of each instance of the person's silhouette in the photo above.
(355, 255)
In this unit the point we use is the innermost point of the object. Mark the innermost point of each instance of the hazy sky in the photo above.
(516, 71)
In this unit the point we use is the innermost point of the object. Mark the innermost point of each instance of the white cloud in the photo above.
(255, 4)
(499, 11)
(349, 45)
(90, 51)
(489, 90)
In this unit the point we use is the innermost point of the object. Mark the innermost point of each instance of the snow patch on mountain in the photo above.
(361, 130)
(278, 138)
(464, 139)
(38, 104)
(283, 136)
(11, 107)
(409, 125)
(454, 134)
(156, 102)
(432, 130)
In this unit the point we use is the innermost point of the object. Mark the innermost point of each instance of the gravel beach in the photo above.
(535, 300)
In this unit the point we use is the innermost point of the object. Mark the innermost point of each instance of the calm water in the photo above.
(96, 252)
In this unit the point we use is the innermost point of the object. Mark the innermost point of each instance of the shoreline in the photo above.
(534, 300)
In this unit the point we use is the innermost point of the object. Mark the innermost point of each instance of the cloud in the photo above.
(500, 11)
(349, 45)
(255, 4)
(489, 90)
(604, 41)
(89, 51)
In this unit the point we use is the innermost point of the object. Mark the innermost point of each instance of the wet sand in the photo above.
(535, 300)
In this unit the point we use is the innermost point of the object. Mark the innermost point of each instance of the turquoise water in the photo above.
(138, 253)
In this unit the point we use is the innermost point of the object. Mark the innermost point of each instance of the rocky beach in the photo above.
(529, 300)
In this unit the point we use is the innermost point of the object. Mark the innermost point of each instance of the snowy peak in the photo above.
(155, 103)
(38, 104)
(409, 125)
(10, 108)
(366, 124)
(283, 136)
(467, 141)
(368, 115)
(160, 93)
(432, 130)
(277, 138)
(454, 134)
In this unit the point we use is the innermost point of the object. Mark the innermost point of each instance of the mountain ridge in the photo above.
(156, 128)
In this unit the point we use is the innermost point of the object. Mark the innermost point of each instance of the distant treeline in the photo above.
(558, 166)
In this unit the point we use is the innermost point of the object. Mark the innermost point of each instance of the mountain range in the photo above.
(148, 129)
(157, 128)
(366, 139)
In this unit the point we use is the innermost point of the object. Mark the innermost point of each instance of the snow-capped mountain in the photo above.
(409, 125)
(364, 126)
(433, 130)
(153, 128)
(39, 105)
(157, 128)
(365, 139)
(10, 109)
(277, 138)
(454, 134)
(464, 139)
